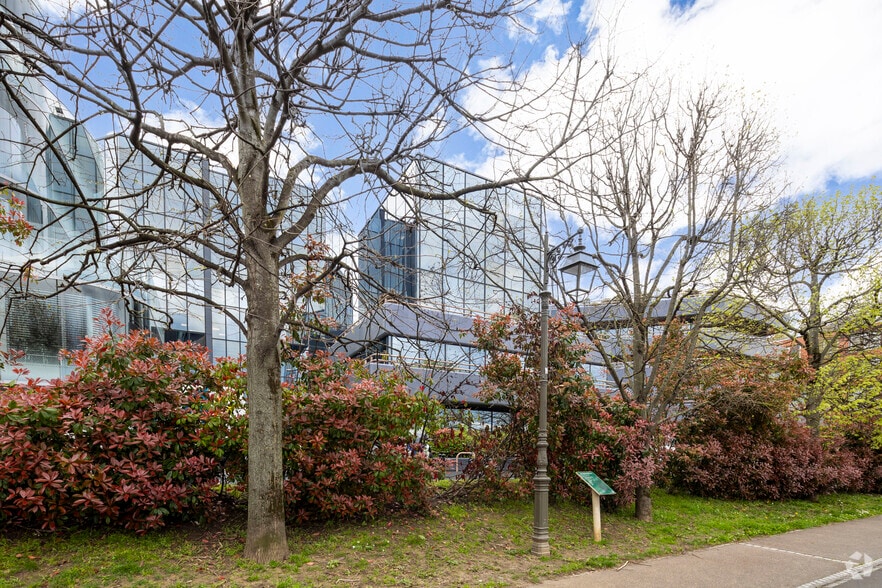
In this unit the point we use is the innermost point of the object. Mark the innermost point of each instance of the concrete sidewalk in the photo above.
(841, 554)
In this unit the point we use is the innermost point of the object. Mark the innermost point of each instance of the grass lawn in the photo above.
(462, 545)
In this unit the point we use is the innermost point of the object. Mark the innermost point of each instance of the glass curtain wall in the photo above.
(176, 286)
(445, 260)
(159, 202)
(476, 259)
(49, 161)
(472, 258)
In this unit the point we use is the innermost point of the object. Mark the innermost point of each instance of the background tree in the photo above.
(325, 96)
(588, 431)
(852, 398)
(814, 276)
(661, 201)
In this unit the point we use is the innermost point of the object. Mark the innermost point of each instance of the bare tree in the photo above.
(661, 203)
(211, 102)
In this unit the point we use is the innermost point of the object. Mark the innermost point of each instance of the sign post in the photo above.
(598, 488)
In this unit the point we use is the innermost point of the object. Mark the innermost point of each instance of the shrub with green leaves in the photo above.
(850, 386)
(449, 441)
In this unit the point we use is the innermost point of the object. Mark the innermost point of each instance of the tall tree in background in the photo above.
(661, 203)
(815, 276)
(319, 94)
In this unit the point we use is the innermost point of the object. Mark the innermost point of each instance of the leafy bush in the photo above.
(586, 431)
(853, 445)
(450, 441)
(224, 432)
(741, 465)
(117, 442)
(742, 440)
(851, 411)
(345, 441)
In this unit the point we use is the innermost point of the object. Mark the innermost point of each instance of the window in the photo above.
(43, 327)
(35, 329)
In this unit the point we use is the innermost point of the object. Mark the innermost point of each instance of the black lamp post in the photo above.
(575, 264)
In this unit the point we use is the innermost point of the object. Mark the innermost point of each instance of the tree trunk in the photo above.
(266, 540)
(813, 343)
(642, 500)
(812, 412)
(643, 504)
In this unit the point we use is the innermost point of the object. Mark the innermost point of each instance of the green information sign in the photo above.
(596, 483)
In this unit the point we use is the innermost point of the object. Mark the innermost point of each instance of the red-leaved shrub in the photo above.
(852, 446)
(741, 439)
(586, 431)
(345, 441)
(748, 466)
(117, 442)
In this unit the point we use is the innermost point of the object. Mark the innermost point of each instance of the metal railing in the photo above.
(416, 362)
(471, 455)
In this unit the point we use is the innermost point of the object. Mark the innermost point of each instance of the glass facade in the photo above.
(602, 378)
(437, 264)
(185, 299)
(389, 262)
(48, 160)
(42, 327)
(51, 162)
(181, 298)
(434, 355)
(470, 256)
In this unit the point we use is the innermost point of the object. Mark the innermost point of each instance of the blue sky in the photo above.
(812, 65)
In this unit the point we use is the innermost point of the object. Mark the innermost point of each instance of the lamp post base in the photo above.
(540, 546)
(541, 484)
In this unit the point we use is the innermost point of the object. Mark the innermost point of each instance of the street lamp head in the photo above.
(578, 264)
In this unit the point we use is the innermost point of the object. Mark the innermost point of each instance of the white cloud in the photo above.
(57, 8)
(192, 121)
(550, 15)
(430, 130)
(814, 64)
(811, 66)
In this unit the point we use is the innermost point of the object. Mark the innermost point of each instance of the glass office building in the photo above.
(155, 201)
(181, 298)
(429, 266)
(50, 162)
(474, 255)
(65, 179)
